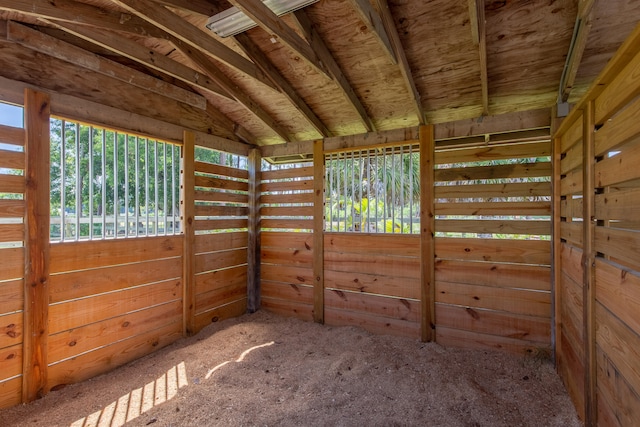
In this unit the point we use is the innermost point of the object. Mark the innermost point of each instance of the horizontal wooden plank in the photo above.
(571, 207)
(537, 252)
(572, 136)
(493, 152)
(11, 392)
(287, 291)
(220, 296)
(571, 314)
(287, 240)
(70, 256)
(107, 358)
(286, 211)
(494, 274)
(618, 403)
(219, 278)
(11, 330)
(618, 91)
(220, 224)
(280, 186)
(220, 242)
(509, 300)
(210, 261)
(571, 262)
(390, 266)
(459, 338)
(375, 305)
(12, 135)
(286, 308)
(372, 323)
(571, 369)
(526, 328)
(11, 296)
(12, 184)
(220, 196)
(623, 245)
(619, 130)
(572, 159)
(12, 159)
(404, 245)
(286, 274)
(494, 208)
(619, 168)
(277, 256)
(218, 314)
(288, 173)
(572, 233)
(220, 184)
(90, 337)
(287, 224)
(620, 205)
(618, 289)
(571, 183)
(208, 211)
(84, 283)
(11, 358)
(12, 263)
(519, 170)
(271, 199)
(12, 208)
(223, 171)
(400, 287)
(493, 226)
(468, 191)
(621, 345)
(77, 313)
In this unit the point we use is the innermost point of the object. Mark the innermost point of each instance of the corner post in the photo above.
(187, 210)
(427, 232)
(253, 244)
(318, 231)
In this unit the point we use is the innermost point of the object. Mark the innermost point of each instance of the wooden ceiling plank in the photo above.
(136, 52)
(80, 13)
(335, 72)
(262, 61)
(51, 46)
(271, 23)
(179, 28)
(201, 7)
(371, 18)
(405, 69)
(482, 50)
(228, 85)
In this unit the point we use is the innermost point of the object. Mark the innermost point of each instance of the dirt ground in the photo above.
(266, 370)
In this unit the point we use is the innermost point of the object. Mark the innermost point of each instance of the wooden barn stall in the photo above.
(164, 177)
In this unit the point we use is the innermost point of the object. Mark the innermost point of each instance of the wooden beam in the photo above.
(201, 7)
(253, 245)
(36, 243)
(371, 18)
(195, 37)
(263, 62)
(138, 53)
(335, 72)
(524, 120)
(427, 233)
(230, 87)
(405, 69)
(482, 52)
(318, 231)
(187, 218)
(556, 258)
(51, 46)
(473, 21)
(272, 24)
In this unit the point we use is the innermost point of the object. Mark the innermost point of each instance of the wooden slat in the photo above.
(11, 232)
(524, 189)
(520, 170)
(571, 183)
(623, 245)
(494, 226)
(571, 261)
(299, 172)
(222, 171)
(618, 403)
(207, 210)
(72, 256)
(12, 263)
(267, 199)
(496, 250)
(372, 323)
(572, 159)
(401, 287)
(293, 309)
(572, 232)
(294, 224)
(526, 328)
(220, 196)
(621, 129)
(220, 224)
(214, 279)
(404, 245)
(11, 361)
(11, 135)
(619, 168)
(494, 208)
(306, 184)
(517, 301)
(619, 91)
(286, 274)
(382, 265)
(11, 333)
(221, 296)
(287, 240)
(12, 184)
(289, 292)
(287, 256)
(220, 242)
(494, 274)
(83, 283)
(11, 296)
(12, 159)
(572, 318)
(216, 260)
(620, 205)
(495, 152)
(287, 211)
(220, 183)
(218, 314)
(572, 135)
(571, 368)
(376, 305)
(618, 289)
(10, 393)
(450, 337)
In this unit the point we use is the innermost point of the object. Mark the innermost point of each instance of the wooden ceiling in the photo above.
(337, 67)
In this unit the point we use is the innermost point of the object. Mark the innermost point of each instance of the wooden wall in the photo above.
(492, 245)
(598, 245)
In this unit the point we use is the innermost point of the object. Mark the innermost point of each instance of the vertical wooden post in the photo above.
(588, 264)
(187, 209)
(556, 267)
(36, 279)
(318, 231)
(253, 245)
(427, 232)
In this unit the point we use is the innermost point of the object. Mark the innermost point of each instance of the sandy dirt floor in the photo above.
(266, 370)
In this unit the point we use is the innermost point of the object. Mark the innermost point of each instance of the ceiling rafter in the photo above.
(334, 69)
(202, 7)
(370, 17)
(260, 59)
(138, 53)
(405, 69)
(271, 23)
(189, 34)
(204, 62)
(479, 35)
